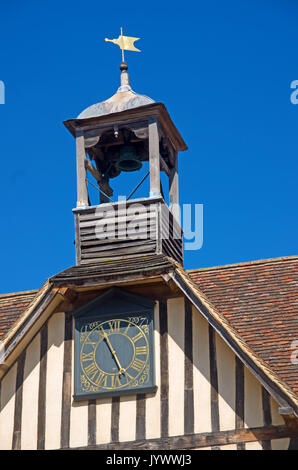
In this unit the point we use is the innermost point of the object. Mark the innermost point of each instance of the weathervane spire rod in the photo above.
(126, 43)
(122, 50)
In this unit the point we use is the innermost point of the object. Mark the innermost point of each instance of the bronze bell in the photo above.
(128, 159)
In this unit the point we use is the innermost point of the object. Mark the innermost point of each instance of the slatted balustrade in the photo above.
(129, 228)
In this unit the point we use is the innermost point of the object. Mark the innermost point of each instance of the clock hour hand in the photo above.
(121, 370)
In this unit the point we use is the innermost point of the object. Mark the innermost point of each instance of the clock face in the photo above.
(114, 354)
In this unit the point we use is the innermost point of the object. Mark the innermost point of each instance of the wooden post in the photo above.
(174, 189)
(102, 197)
(82, 193)
(154, 163)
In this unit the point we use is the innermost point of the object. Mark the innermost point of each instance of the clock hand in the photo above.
(121, 370)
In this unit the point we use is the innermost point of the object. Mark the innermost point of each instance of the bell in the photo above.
(128, 159)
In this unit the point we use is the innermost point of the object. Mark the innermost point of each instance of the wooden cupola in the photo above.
(114, 136)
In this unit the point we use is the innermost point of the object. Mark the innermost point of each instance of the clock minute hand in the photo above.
(121, 370)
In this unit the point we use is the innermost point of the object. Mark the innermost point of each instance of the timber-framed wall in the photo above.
(206, 397)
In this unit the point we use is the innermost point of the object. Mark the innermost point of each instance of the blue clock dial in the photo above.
(114, 351)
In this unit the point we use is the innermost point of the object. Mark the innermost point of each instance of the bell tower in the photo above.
(118, 136)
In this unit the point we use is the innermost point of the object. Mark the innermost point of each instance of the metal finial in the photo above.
(124, 77)
(123, 66)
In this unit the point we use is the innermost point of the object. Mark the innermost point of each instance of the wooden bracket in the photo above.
(164, 166)
(68, 298)
(69, 294)
(291, 422)
(168, 278)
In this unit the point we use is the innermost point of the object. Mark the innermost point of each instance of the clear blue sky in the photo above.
(222, 68)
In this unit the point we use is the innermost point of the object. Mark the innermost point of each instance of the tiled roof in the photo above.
(260, 301)
(11, 308)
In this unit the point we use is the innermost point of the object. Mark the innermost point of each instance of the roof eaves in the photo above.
(18, 294)
(43, 300)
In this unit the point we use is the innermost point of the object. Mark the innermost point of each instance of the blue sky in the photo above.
(223, 69)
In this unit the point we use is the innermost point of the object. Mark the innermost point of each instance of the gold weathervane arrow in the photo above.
(125, 43)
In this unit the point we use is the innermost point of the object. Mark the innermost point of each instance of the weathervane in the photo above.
(125, 43)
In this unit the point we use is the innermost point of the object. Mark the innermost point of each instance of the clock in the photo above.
(114, 346)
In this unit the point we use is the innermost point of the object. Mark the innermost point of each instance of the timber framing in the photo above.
(197, 441)
(66, 287)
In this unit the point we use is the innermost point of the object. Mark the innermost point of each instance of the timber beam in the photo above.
(196, 441)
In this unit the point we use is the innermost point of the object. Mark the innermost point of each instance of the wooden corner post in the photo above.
(82, 193)
(154, 163)
(174, 190)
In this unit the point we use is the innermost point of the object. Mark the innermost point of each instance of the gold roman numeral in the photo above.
(91, 342)
(88, 356)
(115, 381)
(137, 337)
(101, 380)
(141, 350)
(114, 326)
(91, 370)
(137, 364)
(128, 375)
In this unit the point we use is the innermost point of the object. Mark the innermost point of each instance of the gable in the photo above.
(170, 279)
(197, 359)
(115, 300)
(202, 390)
